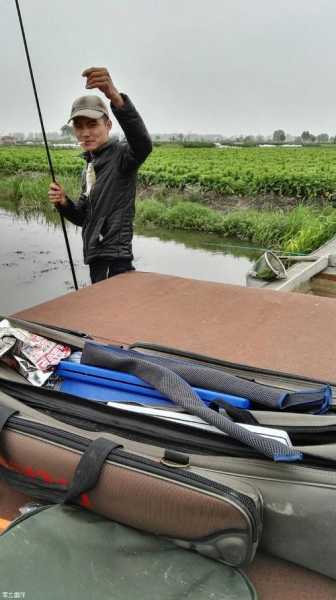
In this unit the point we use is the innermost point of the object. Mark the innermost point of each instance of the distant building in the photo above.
(7, 140)
(186, 137)
(19, 136)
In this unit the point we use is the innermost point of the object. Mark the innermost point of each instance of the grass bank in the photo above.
(29, 194)
(299, 230)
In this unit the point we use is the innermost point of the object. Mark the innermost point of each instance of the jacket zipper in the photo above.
(90, 210)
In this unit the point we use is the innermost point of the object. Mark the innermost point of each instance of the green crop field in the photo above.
(15, 160)
(307, 174)
(304, 173)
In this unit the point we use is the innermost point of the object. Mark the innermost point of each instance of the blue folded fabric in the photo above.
(314, 401)
(108, 385)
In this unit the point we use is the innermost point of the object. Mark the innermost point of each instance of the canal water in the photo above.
(34, 266)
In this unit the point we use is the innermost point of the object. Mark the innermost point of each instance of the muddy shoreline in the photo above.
(224, 203)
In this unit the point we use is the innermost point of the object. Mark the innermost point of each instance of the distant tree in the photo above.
(323, 138)
(67, 131)
(307, 137)
(260, 139)
(249, 139)
(279, 136)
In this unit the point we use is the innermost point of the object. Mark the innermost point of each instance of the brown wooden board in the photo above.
(282, 331)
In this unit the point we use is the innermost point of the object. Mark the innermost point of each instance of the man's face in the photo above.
(91, 133)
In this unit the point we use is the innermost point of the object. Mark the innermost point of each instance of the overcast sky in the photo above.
(215, 66)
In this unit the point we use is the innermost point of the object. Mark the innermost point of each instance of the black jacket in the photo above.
(106, 215)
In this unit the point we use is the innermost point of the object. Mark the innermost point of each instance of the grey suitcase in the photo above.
(299, 516)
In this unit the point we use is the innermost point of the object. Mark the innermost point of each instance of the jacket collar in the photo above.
(89, 156)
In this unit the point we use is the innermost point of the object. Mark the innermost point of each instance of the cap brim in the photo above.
(86, 112)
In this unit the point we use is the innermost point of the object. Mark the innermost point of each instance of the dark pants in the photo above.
(103, 269)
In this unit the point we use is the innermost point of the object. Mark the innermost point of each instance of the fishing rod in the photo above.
(52, 173)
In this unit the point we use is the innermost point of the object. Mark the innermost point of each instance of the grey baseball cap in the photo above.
(92, 107)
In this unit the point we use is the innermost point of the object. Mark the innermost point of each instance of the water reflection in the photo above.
(34, 266)
(199, 240)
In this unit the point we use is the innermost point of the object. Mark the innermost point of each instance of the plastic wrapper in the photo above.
(6, 343)
(35, 356)
(35, 376)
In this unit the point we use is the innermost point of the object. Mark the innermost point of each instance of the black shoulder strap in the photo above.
(5, 414)
(89, 467)
(239, 415)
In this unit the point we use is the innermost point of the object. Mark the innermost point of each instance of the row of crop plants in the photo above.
(307, 173)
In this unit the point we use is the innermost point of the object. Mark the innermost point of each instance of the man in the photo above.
(105, 208)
